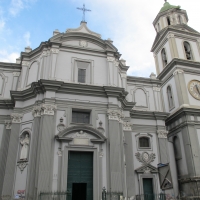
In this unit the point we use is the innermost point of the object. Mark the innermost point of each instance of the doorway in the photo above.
(148, 188)
(80, 175)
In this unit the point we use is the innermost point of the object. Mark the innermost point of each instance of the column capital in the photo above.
(16, 73)
(25, 63)
(54, 50)
(110, 59)
(127, 126)
(178, 71)
(16, 118)
(8, 124)
(48, 109)
(36, 111)
(162, 133)
(115, 115)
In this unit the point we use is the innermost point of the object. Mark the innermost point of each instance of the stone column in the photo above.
(44, 163)
(12, 155)
(115, 150)
(181, 87)
(4, 151)
(163, 146)
(31, 176)
(129, 159)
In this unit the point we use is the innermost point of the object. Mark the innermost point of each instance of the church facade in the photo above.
(71, 119)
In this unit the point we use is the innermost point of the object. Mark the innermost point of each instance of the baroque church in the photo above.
(71, 119)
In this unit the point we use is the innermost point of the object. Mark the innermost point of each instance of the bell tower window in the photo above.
(164, 57)
(170, 97)
(168, 21)
(188, 51)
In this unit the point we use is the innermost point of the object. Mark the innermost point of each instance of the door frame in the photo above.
(155, 180)
(64, 170)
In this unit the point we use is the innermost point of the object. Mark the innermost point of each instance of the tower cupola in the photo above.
(169, 15)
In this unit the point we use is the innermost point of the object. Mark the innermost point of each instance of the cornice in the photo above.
(180, 112)
(42, 86)
(7, 103)
(143, 80)
(5, 65)
(138, 114)
(175, 62)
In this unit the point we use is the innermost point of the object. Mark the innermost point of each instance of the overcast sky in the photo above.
(127, 22)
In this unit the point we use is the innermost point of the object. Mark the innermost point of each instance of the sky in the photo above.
(127, 22)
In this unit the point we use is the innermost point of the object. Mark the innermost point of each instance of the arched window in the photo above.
(180, 19)
(144, 142)
(188, 51)
(164, 57)
(170, 97)
(168, 21)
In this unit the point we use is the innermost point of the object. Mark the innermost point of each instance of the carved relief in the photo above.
(100, 128)
(16, 117)
(16, 73)
(110, 59)
(61, 125)
(178, 71)
(53, 50)
(22, 165)
(83, 43)
(127, 126)
(162, 133)
(170, 36)
(115, 115)
(145, 158)
(8, 124)
(157, 89)
(48, 109)
(25, 63)
(36, 112)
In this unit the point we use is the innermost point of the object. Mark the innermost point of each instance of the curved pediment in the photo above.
(82, 134)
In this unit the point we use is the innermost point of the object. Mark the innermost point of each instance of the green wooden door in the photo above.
(148, 188)
(80, 170)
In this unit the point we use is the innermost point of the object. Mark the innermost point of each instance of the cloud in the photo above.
(8, 57)
(27, 38)
(17, 5)
(2, 24)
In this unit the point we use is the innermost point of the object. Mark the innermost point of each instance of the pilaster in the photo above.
(54, 54)
(12, 155)
(4, 151)
(172, 45)
(181, 87)
(115, 118)
(44, 163)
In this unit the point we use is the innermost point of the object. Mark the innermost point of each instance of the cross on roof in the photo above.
(84, 10)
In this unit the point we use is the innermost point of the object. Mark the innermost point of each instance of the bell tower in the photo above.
(176, 50)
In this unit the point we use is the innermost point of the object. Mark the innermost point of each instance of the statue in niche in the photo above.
(24, 150)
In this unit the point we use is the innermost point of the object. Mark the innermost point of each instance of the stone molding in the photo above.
(16, 118)
(145, 158)
(22, 165)
(116, 115)
(25, 63)
(36, 112)
(157, 89)
(16, 73)
(162, 133)
(127, 126)
(178, 71)
(8, 124)
(110, 59)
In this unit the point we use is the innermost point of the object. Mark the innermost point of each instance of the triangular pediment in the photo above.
(181, 28)
(147, 169)
(83, 29)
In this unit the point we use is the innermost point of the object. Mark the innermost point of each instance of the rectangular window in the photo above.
(81, 75)
(80, 117)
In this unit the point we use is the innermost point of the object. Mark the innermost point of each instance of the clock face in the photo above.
(194, 89)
